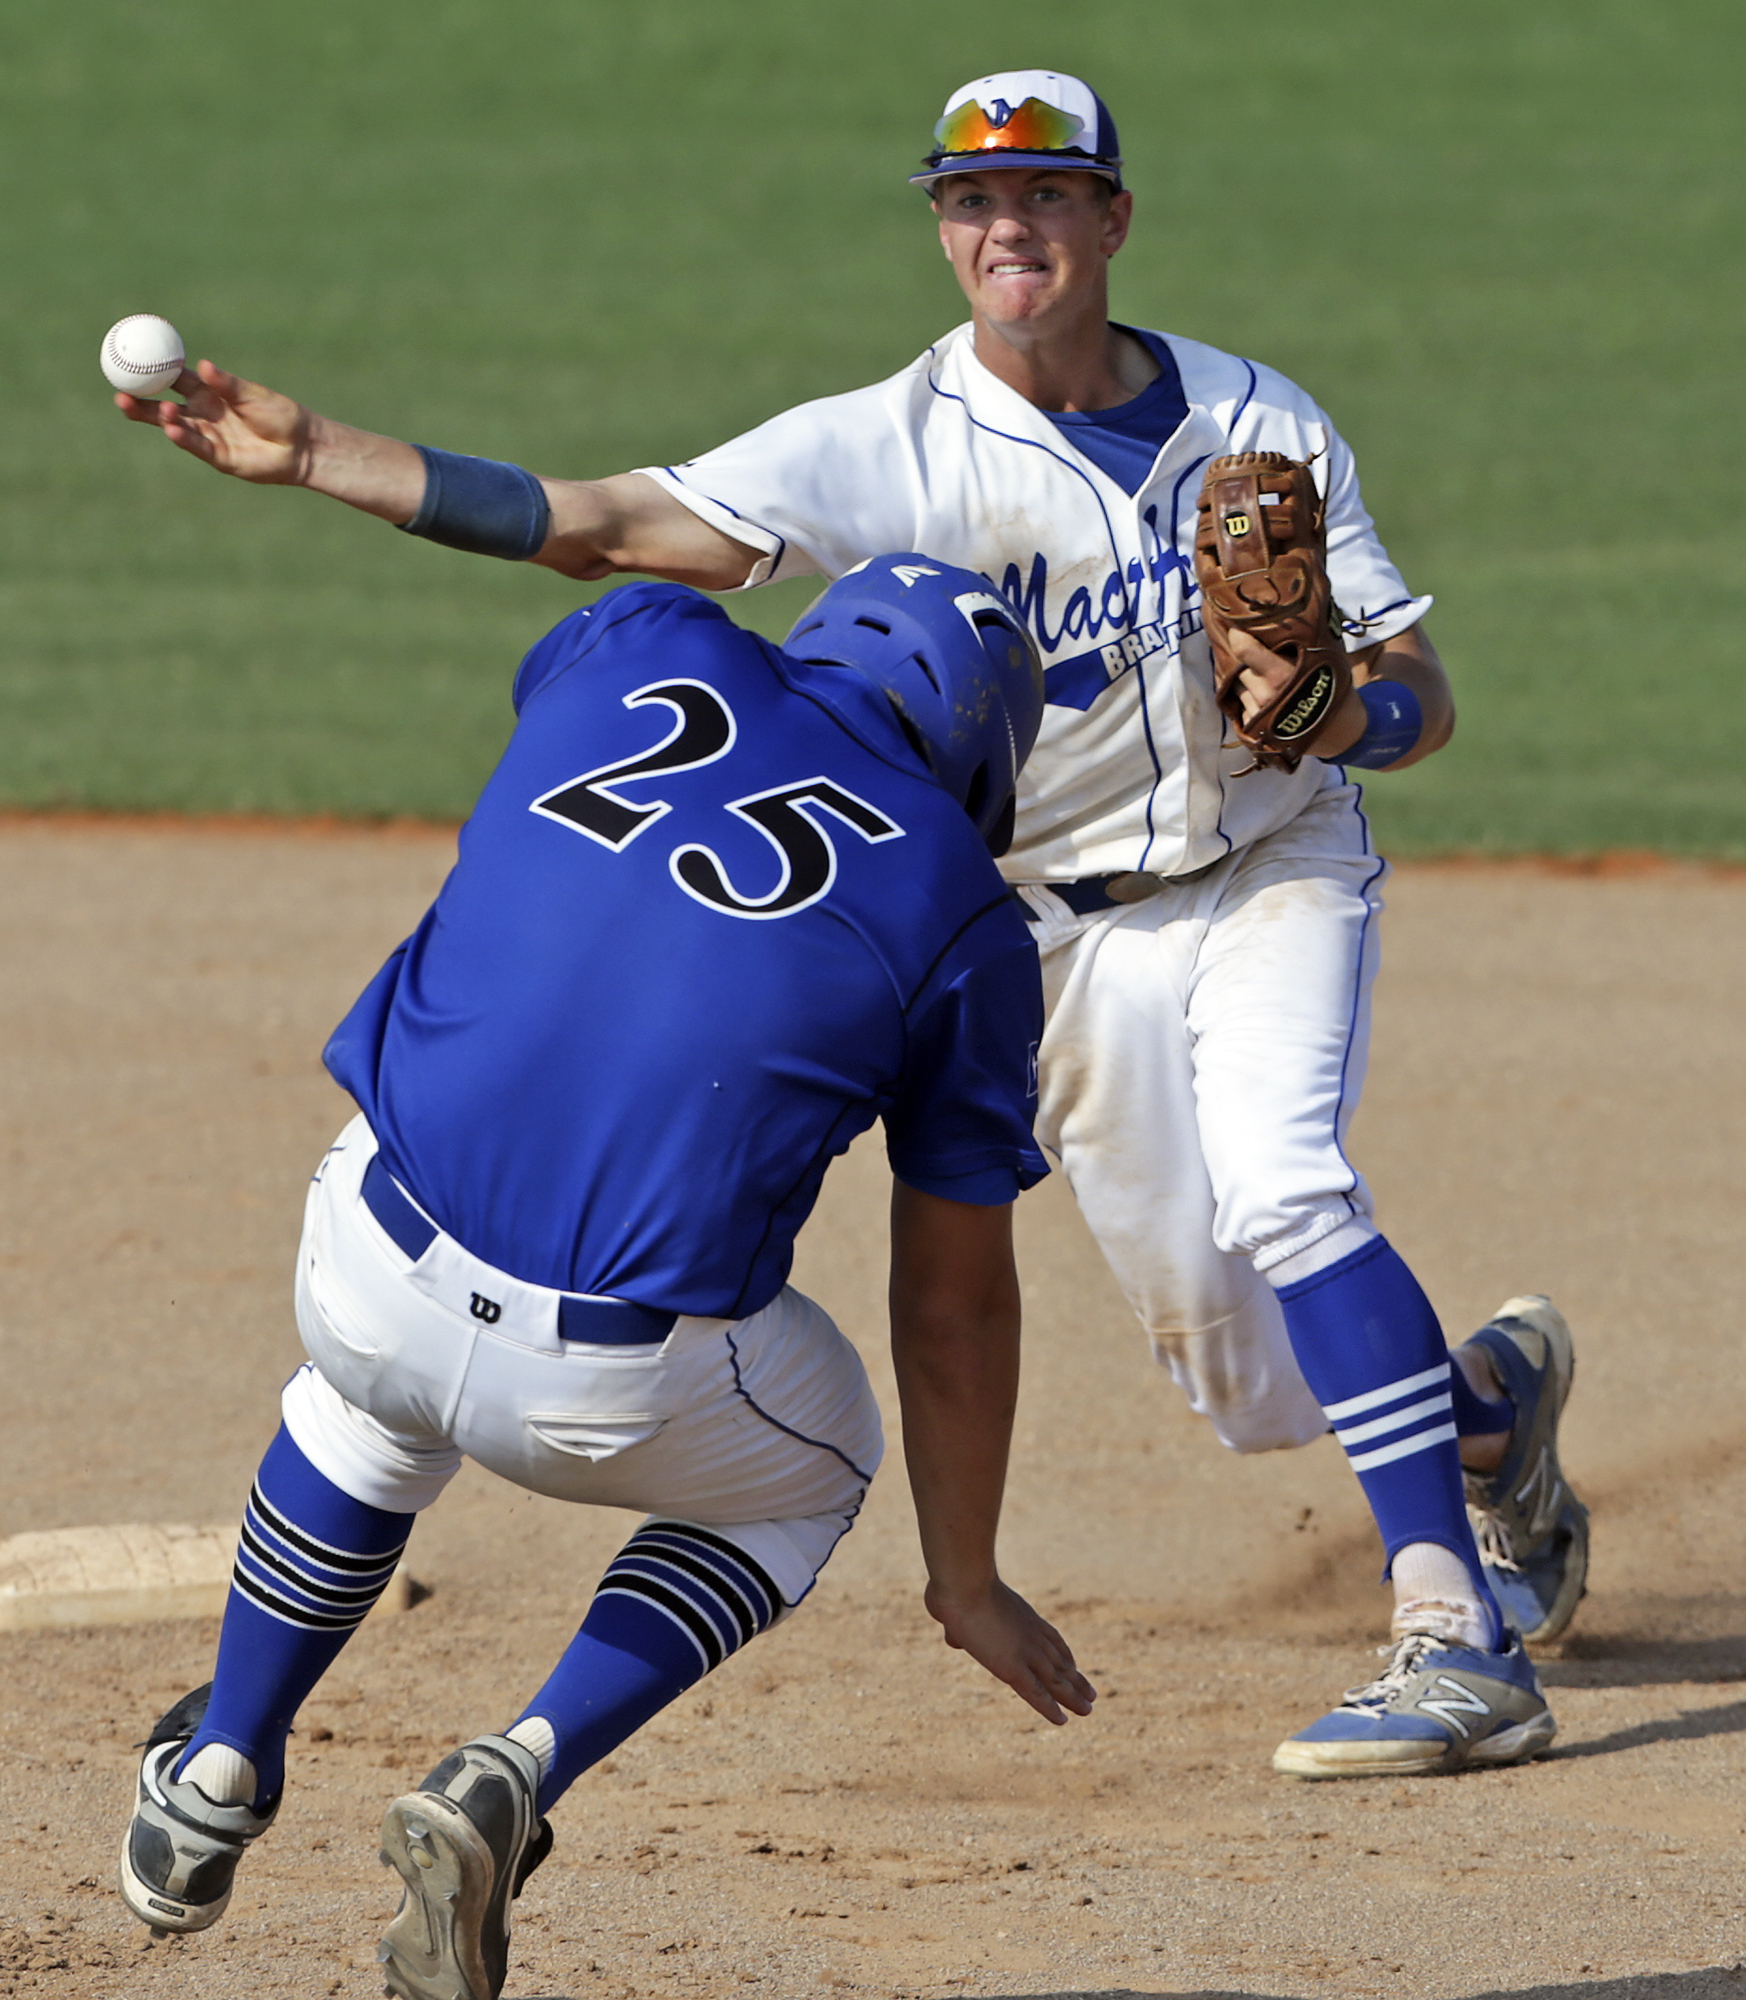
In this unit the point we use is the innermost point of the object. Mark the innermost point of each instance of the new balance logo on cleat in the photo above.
(1435, 1708)
(1451, 1701)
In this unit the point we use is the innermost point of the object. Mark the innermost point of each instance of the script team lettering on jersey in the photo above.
(1109, 613)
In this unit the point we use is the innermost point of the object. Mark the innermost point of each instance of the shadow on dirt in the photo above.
(1689, 1726)
(1647, 1658)
(1718, 1982)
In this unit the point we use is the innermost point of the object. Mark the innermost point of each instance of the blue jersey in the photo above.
(712, 917)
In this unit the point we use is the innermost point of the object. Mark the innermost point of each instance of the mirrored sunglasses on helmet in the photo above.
(1031, 127)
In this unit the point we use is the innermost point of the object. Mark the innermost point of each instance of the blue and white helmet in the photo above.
(955, 661)
(1023, 118)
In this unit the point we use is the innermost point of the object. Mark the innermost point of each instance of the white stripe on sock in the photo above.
(1396, 1420)
(1403, 1448)
(613, 1586)
(1391, 1392)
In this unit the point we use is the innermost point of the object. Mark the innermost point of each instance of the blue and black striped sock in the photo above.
(310, 1563)
(676, 1600)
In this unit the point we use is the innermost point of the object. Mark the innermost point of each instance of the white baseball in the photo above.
(142, 354)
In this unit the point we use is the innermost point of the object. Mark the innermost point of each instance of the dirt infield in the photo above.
(1555, 1104)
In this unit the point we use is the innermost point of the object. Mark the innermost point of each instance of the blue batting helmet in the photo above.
(955, 661)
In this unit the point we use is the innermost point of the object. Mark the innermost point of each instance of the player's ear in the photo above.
(1116, 221)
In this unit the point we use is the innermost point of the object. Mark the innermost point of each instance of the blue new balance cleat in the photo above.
(1434, 1708)
(1531, 1529)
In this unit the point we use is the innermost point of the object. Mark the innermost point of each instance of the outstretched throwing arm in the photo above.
(598, 527)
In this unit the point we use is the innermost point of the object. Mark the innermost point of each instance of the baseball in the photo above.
(142, 354)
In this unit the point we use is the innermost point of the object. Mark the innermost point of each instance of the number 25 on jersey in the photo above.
(790, 817)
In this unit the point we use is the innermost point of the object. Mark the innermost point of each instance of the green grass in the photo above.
(1494, 241)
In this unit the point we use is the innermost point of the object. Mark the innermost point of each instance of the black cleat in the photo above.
(179, 1855)
(463, 1843)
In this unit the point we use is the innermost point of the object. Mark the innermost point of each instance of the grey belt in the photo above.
(1092, 893)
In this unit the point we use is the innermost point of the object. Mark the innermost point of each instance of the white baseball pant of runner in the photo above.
(1204, 1052)
(763, 1429)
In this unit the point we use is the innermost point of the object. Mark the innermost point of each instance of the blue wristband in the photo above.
(1396, 724)
(481, 505)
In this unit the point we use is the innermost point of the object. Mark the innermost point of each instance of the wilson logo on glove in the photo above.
(1260, 557)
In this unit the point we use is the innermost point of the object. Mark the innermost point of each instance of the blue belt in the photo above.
(1092, 893)
(597, 1322)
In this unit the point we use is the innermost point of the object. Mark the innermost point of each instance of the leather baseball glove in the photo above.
(1260, 554)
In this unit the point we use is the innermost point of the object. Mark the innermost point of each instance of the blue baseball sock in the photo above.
(675, 1601)
(1371, 1350)
(310, 1564)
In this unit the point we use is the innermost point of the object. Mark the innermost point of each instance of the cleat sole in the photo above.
(430, 1950)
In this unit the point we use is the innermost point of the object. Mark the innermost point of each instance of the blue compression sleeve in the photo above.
(1396, 724)
(480, 505)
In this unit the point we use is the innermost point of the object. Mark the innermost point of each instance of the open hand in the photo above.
(233, 425)
(1001, 1632)
(1262, 673)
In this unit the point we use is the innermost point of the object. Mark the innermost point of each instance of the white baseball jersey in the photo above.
(1132, 769)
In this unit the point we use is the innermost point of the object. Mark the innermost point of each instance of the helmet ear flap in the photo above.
(956, 662)
(999, 835)
(911, 734)
(976, 797)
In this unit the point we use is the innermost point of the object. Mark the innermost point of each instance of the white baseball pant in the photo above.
(764, 1429)
(1204, 1053)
